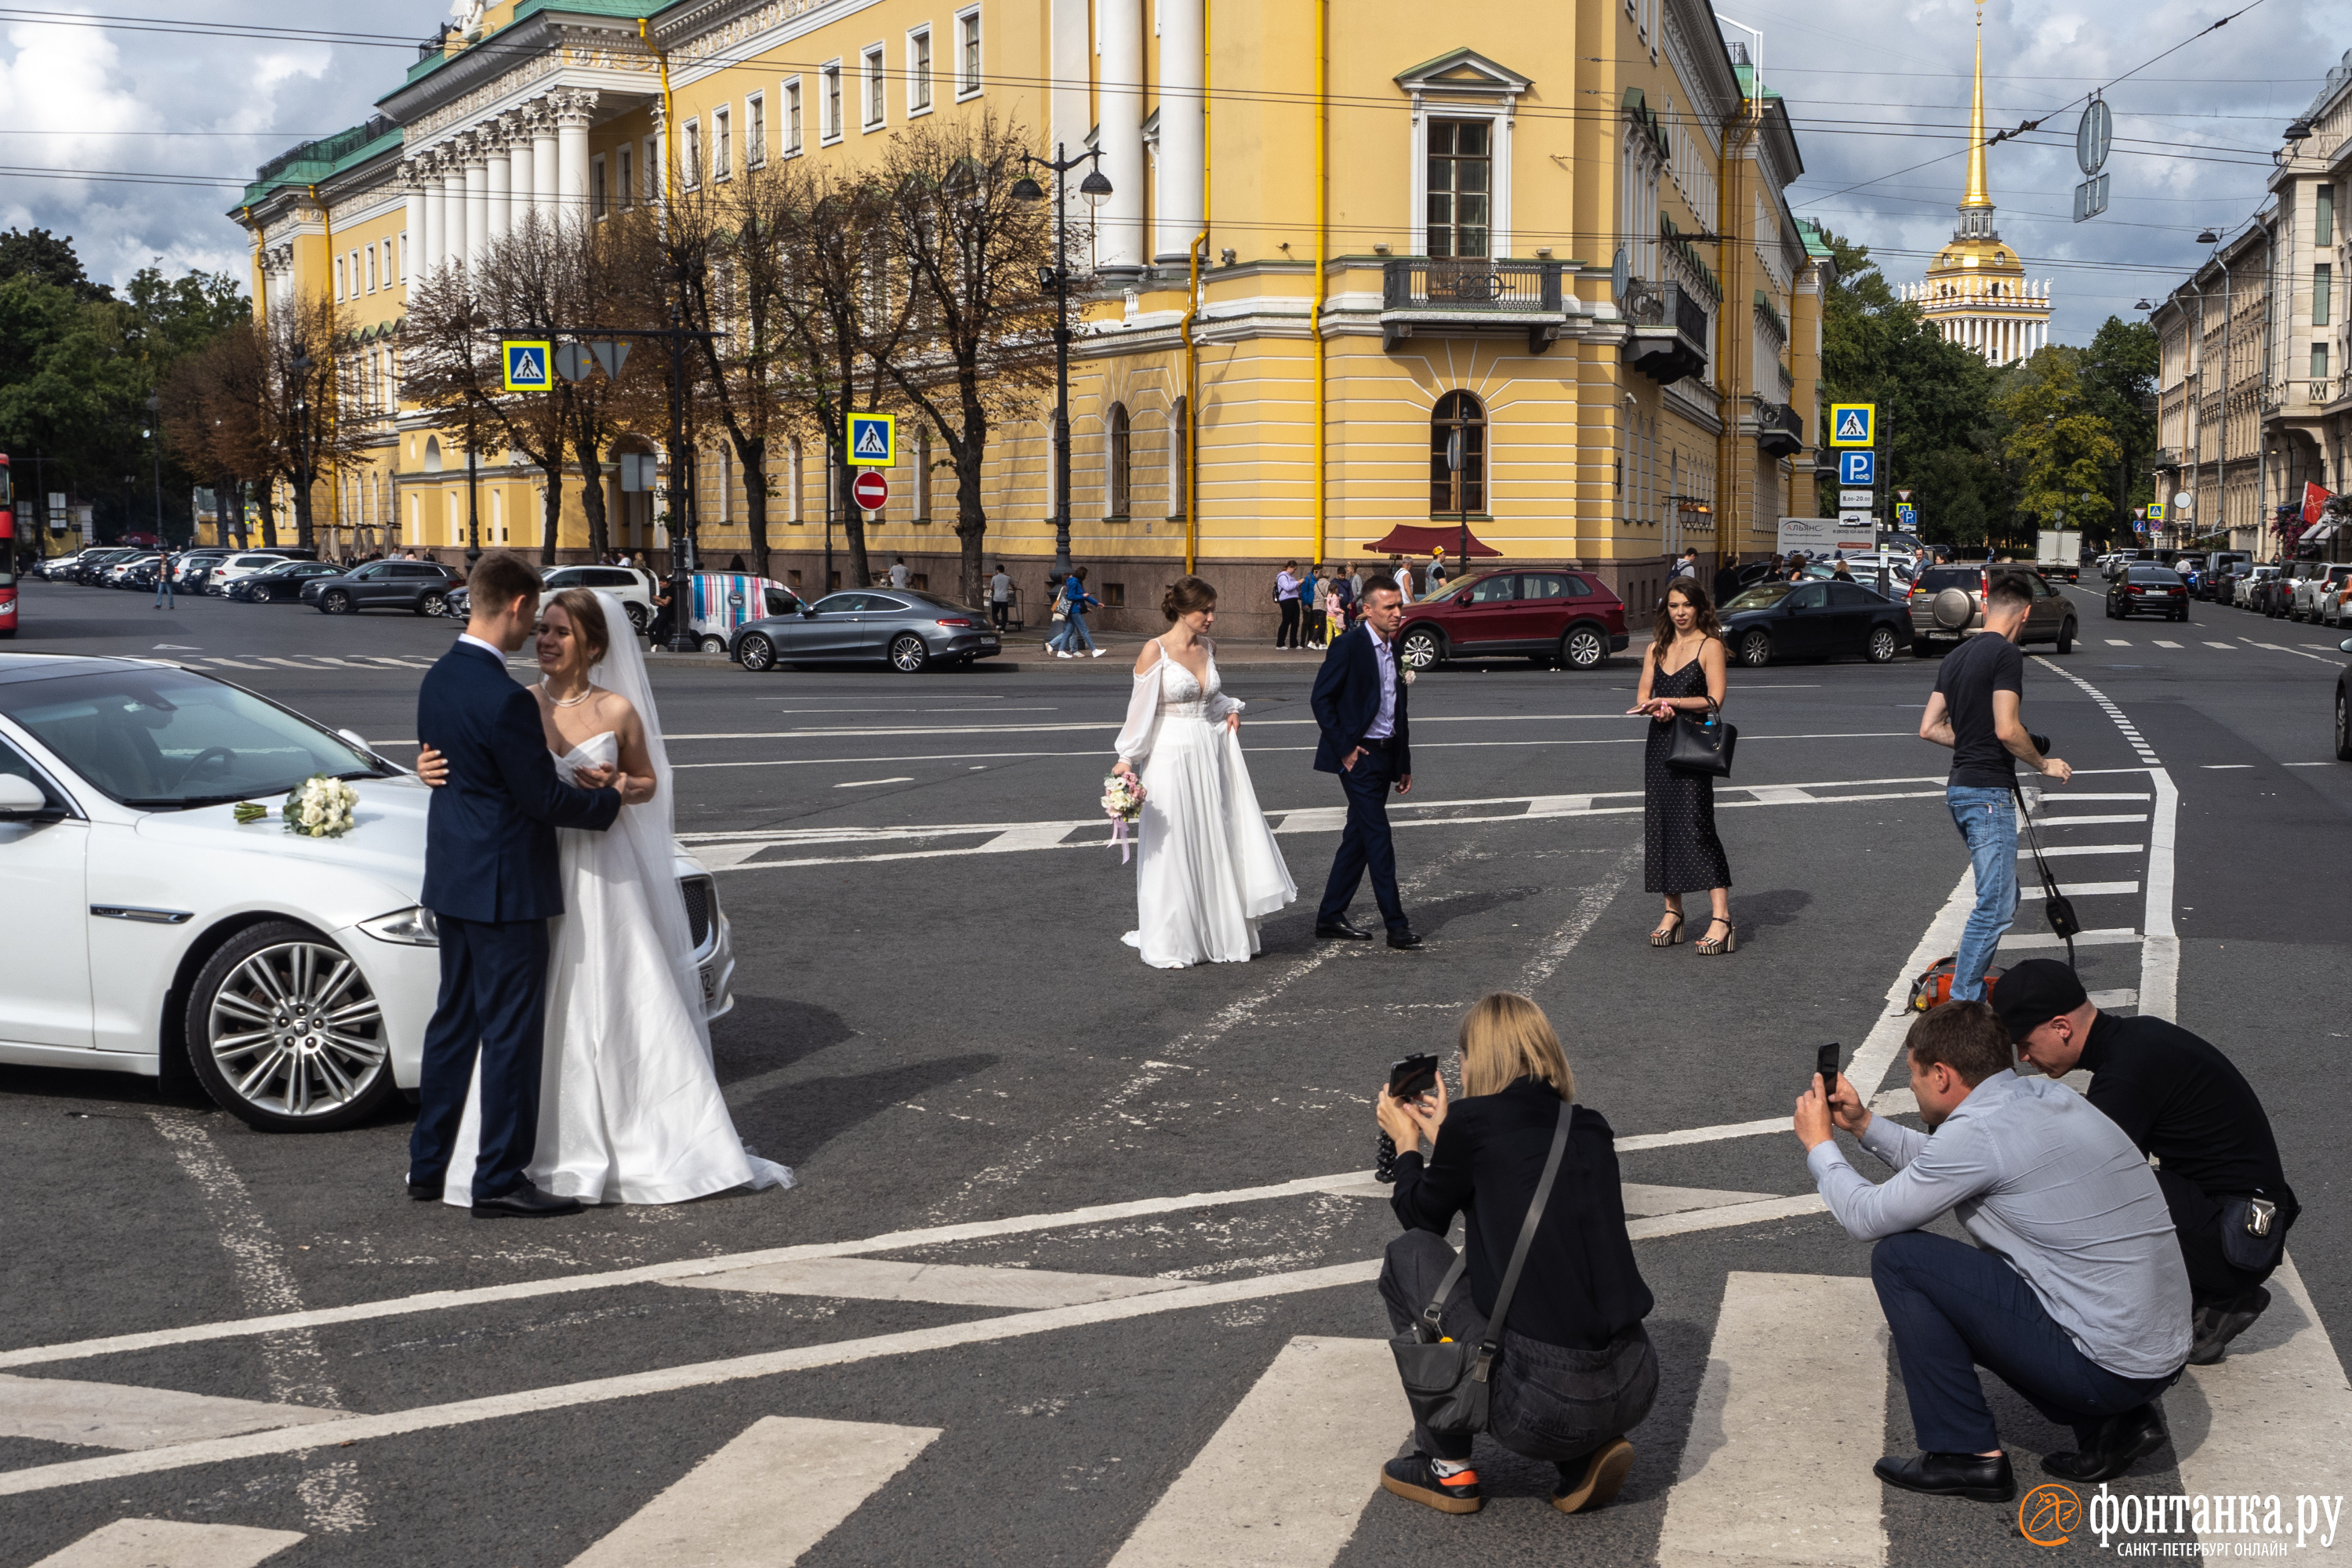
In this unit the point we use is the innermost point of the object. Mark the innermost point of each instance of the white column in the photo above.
(453, 207)
(1068, 114)
(477, 199)
(425, 232)
(519, 159)
(499, 180)
(572, 108)
(1182, 151)
(1119, 89)
(544, 164)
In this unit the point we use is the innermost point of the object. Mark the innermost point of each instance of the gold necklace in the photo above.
(565, 701)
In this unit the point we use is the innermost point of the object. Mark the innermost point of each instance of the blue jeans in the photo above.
(1952, 1309)
(1987, 818)
(163, 594)
(1073, 634)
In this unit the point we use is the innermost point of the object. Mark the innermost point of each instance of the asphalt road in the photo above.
(1160, 1343)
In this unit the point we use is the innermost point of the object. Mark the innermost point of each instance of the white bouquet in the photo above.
(1122, 802)
(321, 806)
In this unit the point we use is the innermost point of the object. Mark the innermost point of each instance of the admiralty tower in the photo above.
(1976, 291)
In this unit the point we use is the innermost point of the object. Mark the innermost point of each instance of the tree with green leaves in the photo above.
(2059, 441)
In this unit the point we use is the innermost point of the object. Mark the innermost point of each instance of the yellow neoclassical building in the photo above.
(1414, 221)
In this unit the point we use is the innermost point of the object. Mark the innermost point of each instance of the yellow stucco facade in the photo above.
(1480, 177)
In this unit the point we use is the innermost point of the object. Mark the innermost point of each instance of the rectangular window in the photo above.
(626, 185)
(2323, 285)
(968, 52)
(370, 268)
(828, 126)
(689, 171)
(755, 131)
(2323, 222)
(918, 70)
(596, 187)
(649, 172)
(338, 277)
(2319, 361)
(1461, 175)
(722, 155)
(876, 85)
(792, 117)
(403, 256)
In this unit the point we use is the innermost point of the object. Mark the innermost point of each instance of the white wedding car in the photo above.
(149, 932)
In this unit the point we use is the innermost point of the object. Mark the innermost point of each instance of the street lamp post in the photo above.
(473, 498)
(301, 446)
(155, 447)
(1096, 188)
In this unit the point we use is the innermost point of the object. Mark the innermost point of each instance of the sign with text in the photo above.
(1821, 537)
(1857, 497)
(1854, 424)
(872, 440)
(1857, 467)
(529, 366)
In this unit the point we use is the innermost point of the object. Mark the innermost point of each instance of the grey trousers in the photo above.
(1548, 1402)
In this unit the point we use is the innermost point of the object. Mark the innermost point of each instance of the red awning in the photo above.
(1406, 540)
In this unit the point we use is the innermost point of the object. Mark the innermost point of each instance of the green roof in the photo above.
(430, 61)
(313, 162)
(1811, 233)
(1748, 84)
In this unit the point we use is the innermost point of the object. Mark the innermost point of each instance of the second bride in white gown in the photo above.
(629, 1107)
(1210, 869)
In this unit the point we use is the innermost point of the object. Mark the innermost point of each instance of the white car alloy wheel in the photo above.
(907, 653)
(1422, 651)
(284, 1034)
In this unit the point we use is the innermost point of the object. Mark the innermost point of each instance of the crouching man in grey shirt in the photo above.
(2075, 1292)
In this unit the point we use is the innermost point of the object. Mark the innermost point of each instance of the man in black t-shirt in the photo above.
(1976, 710)
(2176, 1098)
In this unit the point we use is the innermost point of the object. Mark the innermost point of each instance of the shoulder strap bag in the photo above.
(1703, 745)
(1447, 1382)
(2056, 906)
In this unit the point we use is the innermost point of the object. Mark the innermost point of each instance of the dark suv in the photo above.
(2147, 591)
(1545, 614)
(417, 586)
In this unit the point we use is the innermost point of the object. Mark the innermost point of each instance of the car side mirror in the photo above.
(808, 612)
(20, 797)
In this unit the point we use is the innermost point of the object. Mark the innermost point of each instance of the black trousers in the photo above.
(1002, 612)
(1548, 1402)
(2213, 1279)
(493, 1003)
(1287, 636)
(1364, 842)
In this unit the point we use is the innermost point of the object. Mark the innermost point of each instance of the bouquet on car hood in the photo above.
(321, 806)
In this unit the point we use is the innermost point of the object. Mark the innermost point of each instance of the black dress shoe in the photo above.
(1951, 1475)
(424, 1192)
(2123, 1441)
(524, 1201)
(1402, 939)
(2215, 1327)
(1341, 929)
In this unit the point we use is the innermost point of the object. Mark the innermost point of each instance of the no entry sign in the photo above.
(869, 490)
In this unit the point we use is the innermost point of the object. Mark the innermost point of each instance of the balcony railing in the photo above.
(1669, 332)
(1779, 430)
(1454, 292)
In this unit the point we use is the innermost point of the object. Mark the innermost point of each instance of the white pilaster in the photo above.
(411, 238)
(1183, 151)
(1068, 105)
(498, 161)
(544, 162)
(453, 207)
(1119, 88)
(425, 238)
(573, 108)
(519, 159)
(476, 156)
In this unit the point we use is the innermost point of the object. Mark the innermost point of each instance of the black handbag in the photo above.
(2056, 906)
(1446, 1382)
(1702, 745)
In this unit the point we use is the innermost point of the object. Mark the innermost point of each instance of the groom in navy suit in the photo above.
(1360, 705)
(491, 881)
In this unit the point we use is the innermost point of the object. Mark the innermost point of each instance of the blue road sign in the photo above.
(1857, 467)
(872, 440)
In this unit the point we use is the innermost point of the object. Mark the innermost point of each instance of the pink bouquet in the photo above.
(1122, 802)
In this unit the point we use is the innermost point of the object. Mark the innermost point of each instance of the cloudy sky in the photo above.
(1879, 92)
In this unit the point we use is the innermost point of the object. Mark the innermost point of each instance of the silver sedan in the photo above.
(905, 629)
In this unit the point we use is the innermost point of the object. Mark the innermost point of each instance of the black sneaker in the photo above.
(1414, 1477)
(2215, 1327)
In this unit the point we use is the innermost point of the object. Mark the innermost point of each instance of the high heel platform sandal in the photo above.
(1707, 947)
(1668, 935)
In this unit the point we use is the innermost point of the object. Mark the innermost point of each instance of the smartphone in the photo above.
(1412, 1077)
(1825, 1062)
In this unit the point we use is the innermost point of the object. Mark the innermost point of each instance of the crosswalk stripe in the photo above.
(951, 1284)
(2052, 851)
(233, 663)
(1791, 1412)
(172, 1543)
(2161, 642)
(2116, 936)
(2080, 890)
(1285, 1478)
(777, 1490)
(2087, 821)
(2226, 647)
(2277, 1409)
(119, 1416)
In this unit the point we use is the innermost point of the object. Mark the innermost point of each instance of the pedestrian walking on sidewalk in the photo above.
(1310, 607)
(1684, 672)
(1977, 709)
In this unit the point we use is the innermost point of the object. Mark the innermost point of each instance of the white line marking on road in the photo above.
(2276, 1405)
(2174, 645)
(2225, 647)
(2124, 997)
(1730, 1215)
(2224, 767)
(2080, 890)
(2307, 764)
(784, 1484)
(863, 783)
(1792, 1408)
(233, 663)
(2117, 642)
(1592, 903)
(1745, 740)
(1323, 1417)
(173, 1544)
(288, 663)
(1714, 1135)
(2086, 821)
(122, 1416)
(949, 1284)
(2281, 648)
(2051, 851)
(1649, 1200)
(2115, 937)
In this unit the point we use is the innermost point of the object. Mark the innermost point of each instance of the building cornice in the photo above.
(514, 60)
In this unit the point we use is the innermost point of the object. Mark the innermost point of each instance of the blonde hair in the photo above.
(1505, 1038)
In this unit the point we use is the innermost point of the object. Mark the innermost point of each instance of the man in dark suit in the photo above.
(1360, 705)
(491, 881)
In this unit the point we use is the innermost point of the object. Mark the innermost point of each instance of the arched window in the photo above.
(433, 454)
(1458, 415)
(1180, 436)
(1116, 481)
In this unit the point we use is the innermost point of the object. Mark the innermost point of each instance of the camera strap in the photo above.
(1493, 1338)
(2056, 906)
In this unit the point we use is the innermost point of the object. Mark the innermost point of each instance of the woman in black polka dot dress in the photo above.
(1683, 673)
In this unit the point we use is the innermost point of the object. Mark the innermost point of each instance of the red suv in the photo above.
(1544, 613)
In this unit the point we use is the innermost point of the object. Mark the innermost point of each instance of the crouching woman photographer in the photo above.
(1551, 1271)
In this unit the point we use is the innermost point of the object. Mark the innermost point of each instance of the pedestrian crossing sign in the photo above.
(872, 440)
(528, 365)
(2156, 511)
(1854, 424)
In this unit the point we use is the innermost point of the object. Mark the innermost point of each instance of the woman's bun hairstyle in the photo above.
(1185, 595)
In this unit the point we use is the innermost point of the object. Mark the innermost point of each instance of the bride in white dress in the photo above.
(1210, 869)
(629, 1106)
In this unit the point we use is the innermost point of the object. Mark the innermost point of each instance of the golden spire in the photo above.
(1977, 196)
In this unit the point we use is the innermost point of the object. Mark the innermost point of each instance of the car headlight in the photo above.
(414, 926)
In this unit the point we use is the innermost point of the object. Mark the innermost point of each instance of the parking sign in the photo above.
(1857, 468)
(527, 365)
